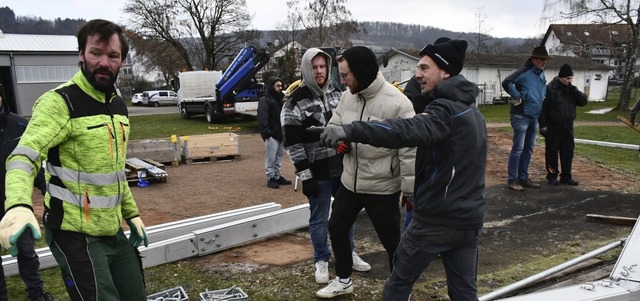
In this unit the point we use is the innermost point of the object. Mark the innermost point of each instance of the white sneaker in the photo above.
(322, 272)
(359, 264)
(336, 288)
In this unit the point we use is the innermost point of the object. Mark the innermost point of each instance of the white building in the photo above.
(603, 43)
(33, 64)
(489, 70)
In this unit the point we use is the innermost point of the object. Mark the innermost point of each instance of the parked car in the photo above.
(136, 100)
(157, 98)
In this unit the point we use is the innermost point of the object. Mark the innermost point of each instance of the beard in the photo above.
(103, 85)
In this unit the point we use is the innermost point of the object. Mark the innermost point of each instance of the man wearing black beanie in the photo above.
(412, 88)
(451, 158)
(372, 177)
(556, 125)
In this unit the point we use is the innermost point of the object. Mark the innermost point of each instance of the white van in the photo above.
(157, 98)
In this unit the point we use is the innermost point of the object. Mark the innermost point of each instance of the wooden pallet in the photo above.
(209, 159)
(209, 147)
(132, 170)
(165, 151)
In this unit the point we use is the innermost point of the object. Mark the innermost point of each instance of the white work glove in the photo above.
(137, 234)
(14, 222)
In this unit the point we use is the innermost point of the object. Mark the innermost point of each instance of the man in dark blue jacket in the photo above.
(269, 108)
(11, 128)
(449, 204)
(527, 87)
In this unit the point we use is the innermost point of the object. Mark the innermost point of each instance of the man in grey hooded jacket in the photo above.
(319, 167)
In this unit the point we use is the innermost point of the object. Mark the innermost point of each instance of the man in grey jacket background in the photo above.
(319, 167)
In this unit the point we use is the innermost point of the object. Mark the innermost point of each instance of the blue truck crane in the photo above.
(219, 96)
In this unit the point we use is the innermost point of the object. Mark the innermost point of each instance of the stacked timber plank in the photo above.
(145, 169)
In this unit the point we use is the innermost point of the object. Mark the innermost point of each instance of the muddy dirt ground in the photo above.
(519, 225)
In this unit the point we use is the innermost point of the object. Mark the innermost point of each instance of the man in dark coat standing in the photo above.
(269, 108)
(556, 125)
(11, 128)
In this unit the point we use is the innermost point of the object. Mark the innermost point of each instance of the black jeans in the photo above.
(28, 266)
(384, 213)
(420, 245)
(559, 140)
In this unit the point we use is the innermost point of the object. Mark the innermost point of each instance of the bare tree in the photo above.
(156, 55)
(482, 31)
(202, 32)
(287, 34)
(288, 30)
(608, 12)
(326, 22)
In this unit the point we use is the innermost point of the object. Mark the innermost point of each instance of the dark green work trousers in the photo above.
(106, 268)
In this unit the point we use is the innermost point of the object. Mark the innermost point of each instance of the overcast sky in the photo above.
(506, 18)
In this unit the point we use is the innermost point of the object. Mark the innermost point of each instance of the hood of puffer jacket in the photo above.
(363, 64)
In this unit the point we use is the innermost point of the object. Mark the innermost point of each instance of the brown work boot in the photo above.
(528, 184)
(515, 186)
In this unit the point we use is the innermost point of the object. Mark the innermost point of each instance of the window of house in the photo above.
(586, 33)
(614, 33)
(44, 74)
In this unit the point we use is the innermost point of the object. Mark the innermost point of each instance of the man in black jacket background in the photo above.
(11, 128)
(556, 125)
(269, 108)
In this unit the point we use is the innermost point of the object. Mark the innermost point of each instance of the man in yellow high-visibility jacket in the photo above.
(81, 129)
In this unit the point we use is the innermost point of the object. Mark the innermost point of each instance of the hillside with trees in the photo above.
(382, 35)
(9, 23)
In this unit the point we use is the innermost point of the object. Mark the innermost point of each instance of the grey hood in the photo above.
(307, 71)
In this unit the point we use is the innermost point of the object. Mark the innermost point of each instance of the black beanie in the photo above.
(448, 55)
(441, 40)
(565, 71)
(363, 65)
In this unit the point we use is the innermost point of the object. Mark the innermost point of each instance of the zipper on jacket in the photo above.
(86, 205)
(123, 138)
(111, 138)
(108, 109)
(355, 173)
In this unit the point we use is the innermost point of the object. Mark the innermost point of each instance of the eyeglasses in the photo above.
(344, 75)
